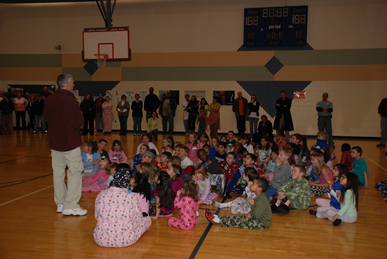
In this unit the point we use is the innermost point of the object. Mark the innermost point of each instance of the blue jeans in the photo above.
(326, 124)
(270, 192)
(383, 126)
(123, 124)
(148, 115)
(137, 125)
(185, 126)
(37, 119)
(253, 126)
(165, 121)
(155, 133)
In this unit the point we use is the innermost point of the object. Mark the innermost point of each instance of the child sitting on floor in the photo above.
(90, 158)
(282, 172)
(193, 146)
(186, 164)
(241, 205)
(346, 157)
(348, 202)
(336, 187)
(141, 187)
(101, 148)
(296, 191)
(245, 142)
(201, 179)
(188, 206)
(164, 196)
(322, 141)
(230, 166)
(174, 171)
(117, 155)
(112, 171)
(167, 145)
(271, 165)
(164, 159)
(138, 157)
(259, 217)
(96, 182)
(264, 152)
(221, 154)
(359, 167)
(237, 184)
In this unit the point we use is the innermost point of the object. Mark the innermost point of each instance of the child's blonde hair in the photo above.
(112, 166)
(323, 134)
(175, 160)
(191, 189)
(201, 169)
(320, 158)
(107, 167)
(195, 143)
(169, 141)
(147, 170)
(287, 151)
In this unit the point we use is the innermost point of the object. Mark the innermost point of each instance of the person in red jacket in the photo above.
(64, 119)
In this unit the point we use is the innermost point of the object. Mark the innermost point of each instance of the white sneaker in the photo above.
(74, 212)
(59, 208)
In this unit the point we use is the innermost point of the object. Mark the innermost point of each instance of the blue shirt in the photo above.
(359, 167)
(336, 186)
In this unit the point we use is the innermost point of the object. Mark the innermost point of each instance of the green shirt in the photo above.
(261, 210)
(323, 104)
(294, 189)
(348, 206)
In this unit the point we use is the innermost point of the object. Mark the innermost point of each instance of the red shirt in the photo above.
(64, 119)
(229, 170)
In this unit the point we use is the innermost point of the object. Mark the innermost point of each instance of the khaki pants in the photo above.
(70, 196)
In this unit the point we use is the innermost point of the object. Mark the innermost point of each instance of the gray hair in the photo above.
(63, 79)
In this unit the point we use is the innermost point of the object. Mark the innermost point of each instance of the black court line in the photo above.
(14, 160)
(23, 181)
(201, 240)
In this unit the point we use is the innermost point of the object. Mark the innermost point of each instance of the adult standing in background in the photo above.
(38, 108)
(98, 112)
(167, 112)
(283, 118)
(20, 110)
(213, 120)
(185, 113)
(46, 93)
(123, 113)
(382, 110)
(239, 107)
(324, 110)
(30, 111)
(253, 115)
(6, 108)
(64, 118)
(151, 103)
(88, 110)
(107, 115)
(193, 109)
(137, 115)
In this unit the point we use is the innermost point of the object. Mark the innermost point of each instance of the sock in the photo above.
(276, 204)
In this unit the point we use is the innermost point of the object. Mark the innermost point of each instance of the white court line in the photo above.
(375, 163)
(26, 195)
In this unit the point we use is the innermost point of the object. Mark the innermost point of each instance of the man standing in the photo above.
(64, 118)
(239, 107)
(283, 118)
(167, 112)
(324, 109)
(382, 110)
(151, 103)
(46, 92)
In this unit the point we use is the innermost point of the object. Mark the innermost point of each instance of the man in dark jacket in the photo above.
(6, 108)
(382, 110)
(151, 103)
(88, 110)
(239, 107)
(64, 119)
(283, 118)
(38, 108)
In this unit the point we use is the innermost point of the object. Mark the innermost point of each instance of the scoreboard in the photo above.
(275, 27)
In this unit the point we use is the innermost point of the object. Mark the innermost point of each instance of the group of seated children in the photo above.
(184, 176)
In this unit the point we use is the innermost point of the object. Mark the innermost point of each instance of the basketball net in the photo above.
(101, 59)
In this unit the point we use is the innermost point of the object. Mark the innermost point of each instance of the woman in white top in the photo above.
(20, 110)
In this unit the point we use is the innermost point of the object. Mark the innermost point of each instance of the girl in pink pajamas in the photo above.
(188, 206)
(97, 182)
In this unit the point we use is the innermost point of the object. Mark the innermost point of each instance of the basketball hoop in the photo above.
(101, 59)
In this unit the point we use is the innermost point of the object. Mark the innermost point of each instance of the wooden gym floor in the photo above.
(30, 227)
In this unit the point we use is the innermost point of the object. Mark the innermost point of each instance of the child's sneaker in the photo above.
(274, 208)
(313, 212)
(337, 222)
(210, 218)
(283, 209)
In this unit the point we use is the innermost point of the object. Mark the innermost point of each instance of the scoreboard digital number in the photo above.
(275, 27)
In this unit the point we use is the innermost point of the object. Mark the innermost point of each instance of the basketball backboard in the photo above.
(114, 43)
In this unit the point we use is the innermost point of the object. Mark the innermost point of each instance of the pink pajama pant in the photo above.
(179, 223)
